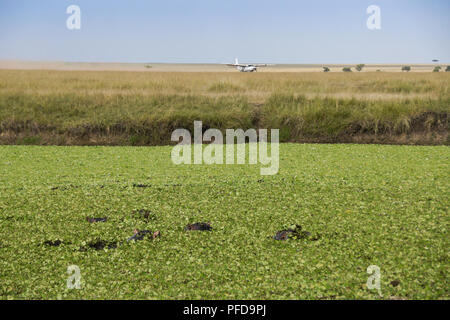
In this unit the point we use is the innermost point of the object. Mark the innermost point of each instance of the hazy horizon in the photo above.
(220, 63)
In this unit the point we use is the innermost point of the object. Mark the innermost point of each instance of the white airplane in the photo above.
(246, 67)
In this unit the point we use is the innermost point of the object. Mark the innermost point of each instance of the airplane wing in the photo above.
(236, 65)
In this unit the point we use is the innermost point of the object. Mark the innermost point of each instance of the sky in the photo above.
(212, 31)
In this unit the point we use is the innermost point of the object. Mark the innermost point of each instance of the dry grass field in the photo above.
(143, 108)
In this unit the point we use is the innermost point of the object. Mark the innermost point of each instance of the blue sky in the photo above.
(212, 31)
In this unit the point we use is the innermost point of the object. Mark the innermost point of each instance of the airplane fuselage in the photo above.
(248, 68)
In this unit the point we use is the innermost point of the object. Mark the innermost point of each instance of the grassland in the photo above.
(143, 108)
(365, 204)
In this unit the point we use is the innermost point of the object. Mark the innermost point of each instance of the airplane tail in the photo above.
(236, 61)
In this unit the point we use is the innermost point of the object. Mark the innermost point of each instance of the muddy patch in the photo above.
(63, 188)
(141, 185)
(142, 234)
(395, 283)
(199, 226)
(100, 245)
(53, 243)
(95, 220)
(144, 214)
(296, 233)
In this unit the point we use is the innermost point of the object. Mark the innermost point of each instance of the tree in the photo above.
(437, 69)
(347, 69)
(326, 69)
(359, 67)
(447, 69)
(406, 68)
